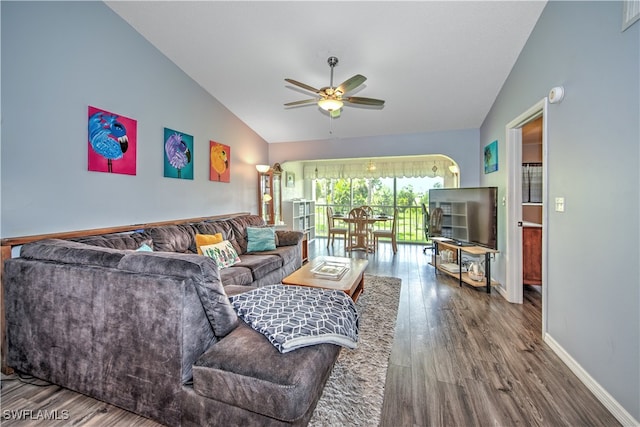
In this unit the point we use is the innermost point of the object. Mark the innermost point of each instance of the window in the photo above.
(383, 195)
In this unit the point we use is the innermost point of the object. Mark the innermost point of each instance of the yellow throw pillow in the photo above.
(207, 239)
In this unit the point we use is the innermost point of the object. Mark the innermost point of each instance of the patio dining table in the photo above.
(362, 223)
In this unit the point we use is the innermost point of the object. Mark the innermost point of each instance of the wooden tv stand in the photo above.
(463, 277)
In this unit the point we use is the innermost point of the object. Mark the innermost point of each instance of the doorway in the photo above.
(515, 216)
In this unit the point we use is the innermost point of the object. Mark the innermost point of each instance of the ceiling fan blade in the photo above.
(335, 113)
(363, 101)
(351, 83)
(302, 85)
(304, 101)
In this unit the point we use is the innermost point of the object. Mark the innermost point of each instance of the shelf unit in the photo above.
(532, 202)
(300, 215)
(454, 220)
(476, 251)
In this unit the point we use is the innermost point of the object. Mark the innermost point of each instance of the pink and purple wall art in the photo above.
(178, 154)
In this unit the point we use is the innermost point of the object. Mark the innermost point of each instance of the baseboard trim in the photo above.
(502, 291)
(624, 417)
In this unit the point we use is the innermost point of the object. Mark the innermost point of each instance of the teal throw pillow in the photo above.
(261, 239)
(145, 248)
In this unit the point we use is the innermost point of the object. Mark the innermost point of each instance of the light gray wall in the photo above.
(462, 146)
(593, 284)
(60, 57)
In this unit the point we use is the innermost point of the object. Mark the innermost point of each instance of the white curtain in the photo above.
(386, 167)
(532, 183)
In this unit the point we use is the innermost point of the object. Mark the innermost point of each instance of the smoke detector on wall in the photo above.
(556, 95)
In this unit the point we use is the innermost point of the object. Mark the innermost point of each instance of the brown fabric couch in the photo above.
(154, 332)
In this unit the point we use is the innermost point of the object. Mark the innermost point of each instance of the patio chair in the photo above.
(370, 213)
(332, 231)
(377, 234)
(358, 230)
(425, 227)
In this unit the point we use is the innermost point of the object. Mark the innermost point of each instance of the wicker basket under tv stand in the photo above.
(457, 249)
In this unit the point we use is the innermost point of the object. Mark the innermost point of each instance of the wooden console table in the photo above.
(463, 277)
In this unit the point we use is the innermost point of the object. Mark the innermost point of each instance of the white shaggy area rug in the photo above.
(354, 392)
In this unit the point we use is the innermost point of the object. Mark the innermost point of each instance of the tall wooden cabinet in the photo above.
(270, 195)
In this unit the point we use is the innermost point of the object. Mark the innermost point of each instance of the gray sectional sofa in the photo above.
(154, 332)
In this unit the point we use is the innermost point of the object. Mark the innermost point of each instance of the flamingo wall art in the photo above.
(112, 142)
(220, 158)
(178, 154)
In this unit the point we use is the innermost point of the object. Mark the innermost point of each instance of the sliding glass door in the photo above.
(383, 195)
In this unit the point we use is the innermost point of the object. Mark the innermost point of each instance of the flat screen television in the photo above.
(468, 216)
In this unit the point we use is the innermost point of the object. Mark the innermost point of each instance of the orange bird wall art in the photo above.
(220, 163)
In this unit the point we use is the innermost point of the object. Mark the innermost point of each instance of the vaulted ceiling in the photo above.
(439, 65)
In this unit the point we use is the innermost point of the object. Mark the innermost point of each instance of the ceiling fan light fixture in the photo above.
(332, 98)
(328, 104)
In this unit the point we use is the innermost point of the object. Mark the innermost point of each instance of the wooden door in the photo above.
(532, 255)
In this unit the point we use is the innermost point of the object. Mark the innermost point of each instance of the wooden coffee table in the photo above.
(351, 282)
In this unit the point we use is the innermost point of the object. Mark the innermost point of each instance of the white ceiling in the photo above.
(439, 65)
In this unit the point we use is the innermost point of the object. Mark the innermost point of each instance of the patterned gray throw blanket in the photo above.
(296, 316)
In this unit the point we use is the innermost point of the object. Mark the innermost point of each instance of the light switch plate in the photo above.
(559, 204)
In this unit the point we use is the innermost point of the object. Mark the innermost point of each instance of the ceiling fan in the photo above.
(332, 98)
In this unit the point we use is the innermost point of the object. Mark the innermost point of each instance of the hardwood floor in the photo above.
(461, 357)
